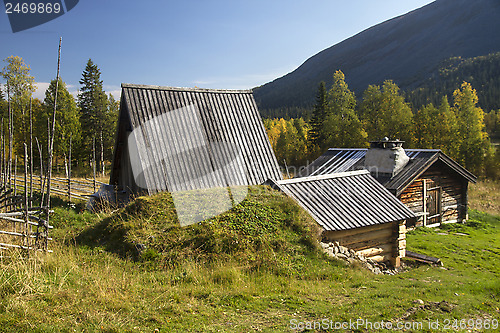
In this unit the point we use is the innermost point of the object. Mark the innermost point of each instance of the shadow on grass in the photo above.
(110, 237)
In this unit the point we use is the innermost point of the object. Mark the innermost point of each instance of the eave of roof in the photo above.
(167, 88)
(346, 200)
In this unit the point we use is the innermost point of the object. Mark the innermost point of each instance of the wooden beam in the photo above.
(374, 251)
(423, 258)
(356, 231)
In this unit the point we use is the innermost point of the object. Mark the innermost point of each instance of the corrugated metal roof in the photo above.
(185, 138)
(347, 200)
(347, 159)
(336, 160)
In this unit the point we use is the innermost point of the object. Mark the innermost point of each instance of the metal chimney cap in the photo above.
(386, 143)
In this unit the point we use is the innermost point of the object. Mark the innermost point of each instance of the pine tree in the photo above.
(93, 104)
(492, 122)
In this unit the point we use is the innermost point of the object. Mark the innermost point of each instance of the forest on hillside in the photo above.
(458, 126)
(85, 124)
(483, 73)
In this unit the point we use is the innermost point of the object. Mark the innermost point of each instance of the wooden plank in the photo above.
(366, 244)
(424, 201)
(423, 258)
(350, 232)
(383, 234)
(382, 257)
(11, 233)
(374, 251)
(15, 246)
(18, 234)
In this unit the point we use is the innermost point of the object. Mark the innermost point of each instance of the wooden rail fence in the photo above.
(79, 189)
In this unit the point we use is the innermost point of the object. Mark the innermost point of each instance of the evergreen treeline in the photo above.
(286, 112)
(87, 123)
(483, 73)
(457, 127)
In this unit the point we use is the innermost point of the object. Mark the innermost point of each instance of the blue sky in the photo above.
(205, 43)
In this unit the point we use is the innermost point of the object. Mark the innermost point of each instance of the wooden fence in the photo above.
(79, 189)
(23, 225)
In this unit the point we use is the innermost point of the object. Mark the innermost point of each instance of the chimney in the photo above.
(386, 158)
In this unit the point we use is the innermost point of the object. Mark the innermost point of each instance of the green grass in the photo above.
(485, 196)
(98, 281)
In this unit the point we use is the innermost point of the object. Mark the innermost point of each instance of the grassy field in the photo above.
(485, 196)
(135, 270)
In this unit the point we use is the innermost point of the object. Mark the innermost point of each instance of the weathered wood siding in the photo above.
(452, 192)
(381, 242)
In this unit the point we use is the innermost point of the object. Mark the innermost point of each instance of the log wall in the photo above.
(381, 242)
(453, 195)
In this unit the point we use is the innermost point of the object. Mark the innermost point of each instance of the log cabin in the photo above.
(352, 208)
(427, 181)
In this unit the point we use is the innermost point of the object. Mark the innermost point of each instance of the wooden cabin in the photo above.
(355, 210)
(427, 181)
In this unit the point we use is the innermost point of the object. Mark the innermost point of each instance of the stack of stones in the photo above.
(337, 251)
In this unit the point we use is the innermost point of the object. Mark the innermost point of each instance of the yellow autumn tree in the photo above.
(473, 142)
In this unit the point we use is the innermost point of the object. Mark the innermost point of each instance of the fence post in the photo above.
(93, 160)
(31, 152)
(69, 168)
(41, 169)
(2, 154)
(26, 216)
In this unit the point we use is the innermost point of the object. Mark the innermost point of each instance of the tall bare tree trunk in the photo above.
(42, 185)
(27, 228)
(31, 150)
(93, 160)
(9, 167)
(102, 156)
(51, 140)
(69, 167)
(2, 157)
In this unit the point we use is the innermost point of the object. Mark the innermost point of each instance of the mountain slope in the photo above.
(482, 72)
(406, 49)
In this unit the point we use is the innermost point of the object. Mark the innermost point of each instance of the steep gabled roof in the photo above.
(187, 138)
(347, 200)
(348, 159)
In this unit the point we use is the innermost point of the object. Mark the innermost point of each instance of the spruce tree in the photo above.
(318, 116)
(93, 104)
